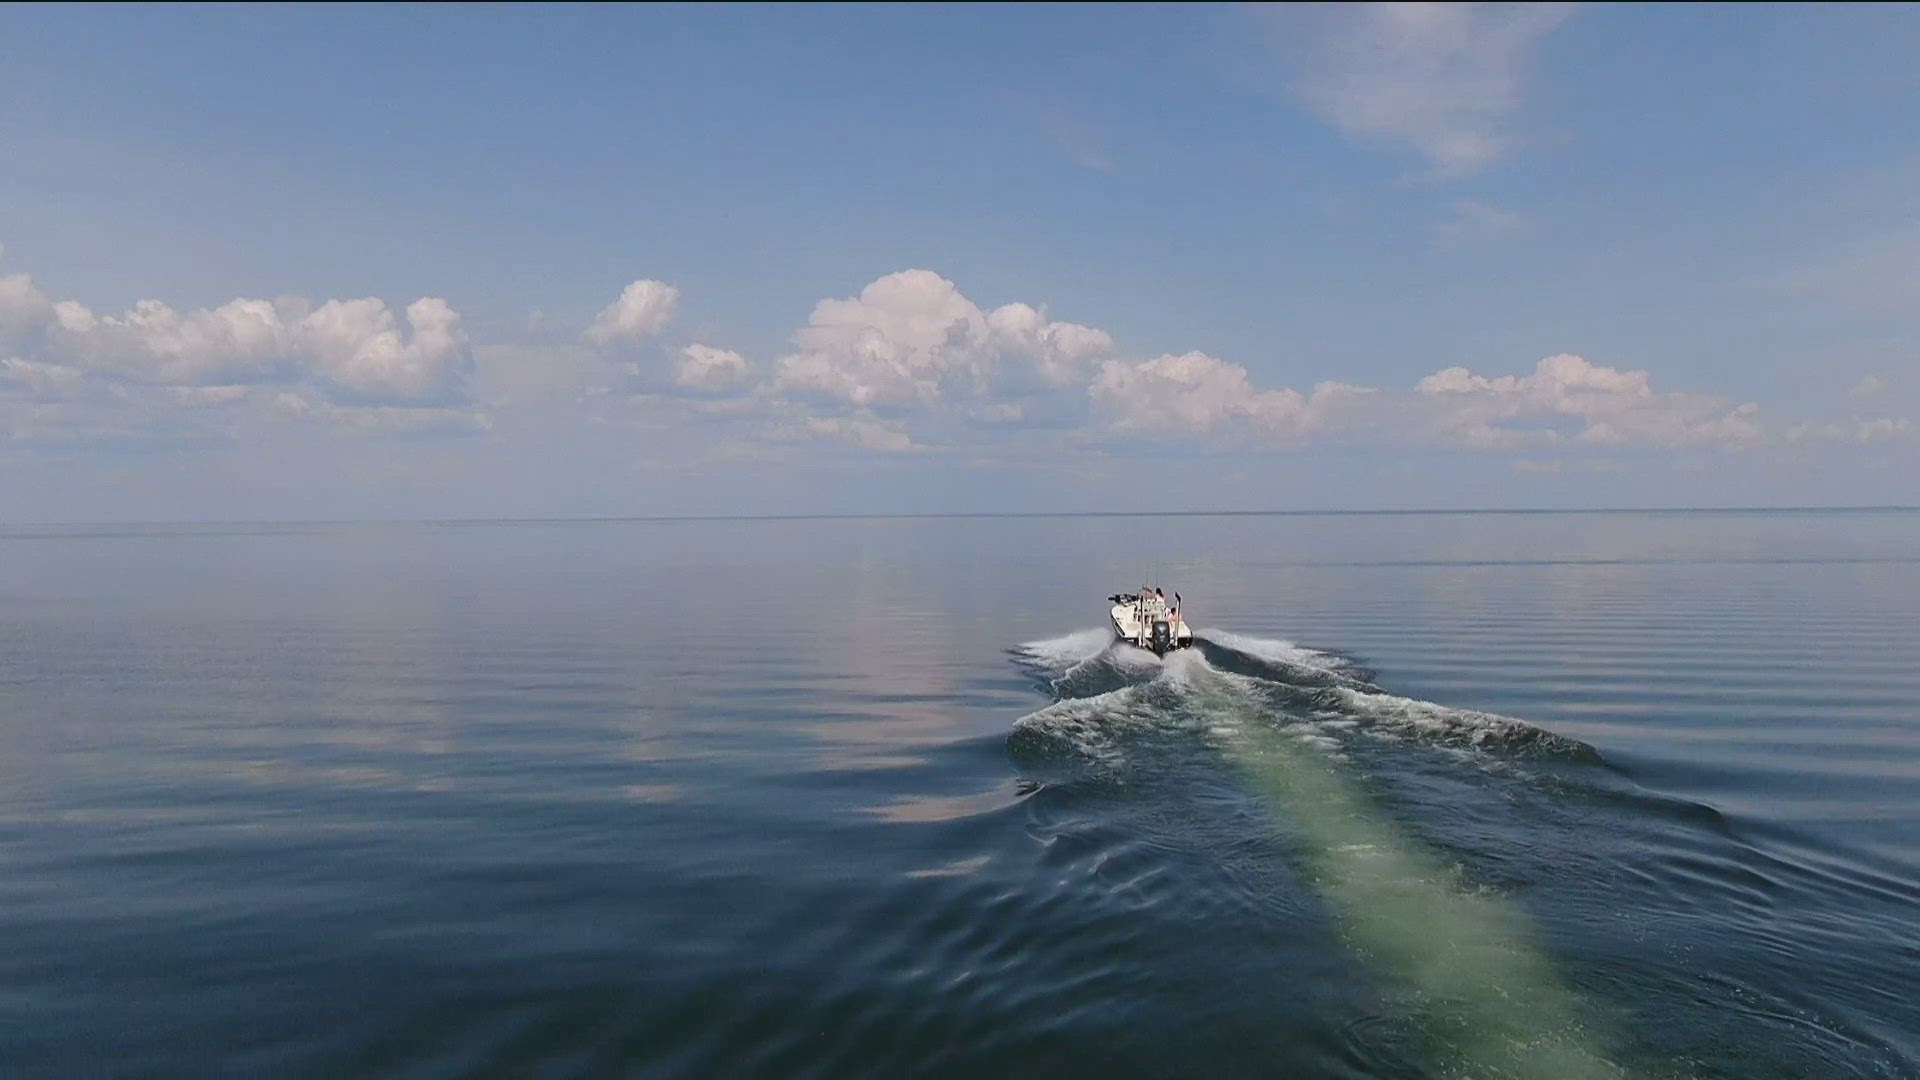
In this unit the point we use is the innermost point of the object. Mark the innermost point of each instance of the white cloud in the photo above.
(240, 340)
(1059, 351)
(865, 432)
(711, 370)
(910, 354)
(998, 412)
(644, 308)
(912, 338)
(1192, 393)
(1195, 394)
(899, 341)
(913, 344)
(23, 307)
(1568, 396)
(1893, 427)
(359, 348)
(356, 348)
(1856, 430)
(41, 380)
(1440, 78)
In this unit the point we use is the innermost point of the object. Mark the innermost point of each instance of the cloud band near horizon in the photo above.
(907, 364)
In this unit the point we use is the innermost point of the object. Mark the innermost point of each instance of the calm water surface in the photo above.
(1440, 796)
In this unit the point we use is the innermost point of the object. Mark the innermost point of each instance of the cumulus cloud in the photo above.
(1442, 79)
(913, 338)
(908, 355)
(238, 341)
(1196, 394)
(644, 308)
(710, 370)
(1059, 351)
(1192, 393)
(1568, 396)
(356, 348)
(914, 347)
(24, 309)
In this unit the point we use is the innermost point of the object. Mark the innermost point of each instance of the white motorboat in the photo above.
(1147, 620)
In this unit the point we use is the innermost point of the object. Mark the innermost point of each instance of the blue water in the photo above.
(1529, 795)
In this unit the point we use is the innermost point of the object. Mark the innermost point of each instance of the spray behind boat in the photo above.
(1148, 620)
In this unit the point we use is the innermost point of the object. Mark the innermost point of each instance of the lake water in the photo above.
(1440, 795)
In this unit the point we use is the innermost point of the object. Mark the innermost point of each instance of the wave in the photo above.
(1278, 717)
(1085, 663)
(1108, 694)
(1064, 651)
(1282, 654)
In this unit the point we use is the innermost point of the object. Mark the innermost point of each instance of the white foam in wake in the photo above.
(1276, 650)
(1096, 728)
(1067, 650)
(1426, 719)
(1059, 659)
(1096, 725)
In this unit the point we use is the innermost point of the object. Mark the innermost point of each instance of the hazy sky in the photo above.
(342, 263)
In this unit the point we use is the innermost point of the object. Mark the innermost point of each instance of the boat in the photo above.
(1145, 619)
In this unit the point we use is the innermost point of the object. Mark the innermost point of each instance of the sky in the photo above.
(317, 263)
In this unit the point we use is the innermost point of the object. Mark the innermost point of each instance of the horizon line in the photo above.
(965, 514)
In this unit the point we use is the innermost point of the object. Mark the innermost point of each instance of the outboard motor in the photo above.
(1162, 637)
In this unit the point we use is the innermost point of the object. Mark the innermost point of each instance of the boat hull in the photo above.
(1158, 636)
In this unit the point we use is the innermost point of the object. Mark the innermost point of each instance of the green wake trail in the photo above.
(1487, 999)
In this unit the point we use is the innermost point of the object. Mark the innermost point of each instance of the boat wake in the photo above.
(1467, 860)
(1290, 722)
(1107, 694)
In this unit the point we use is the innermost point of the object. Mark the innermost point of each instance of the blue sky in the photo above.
(393, 262)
